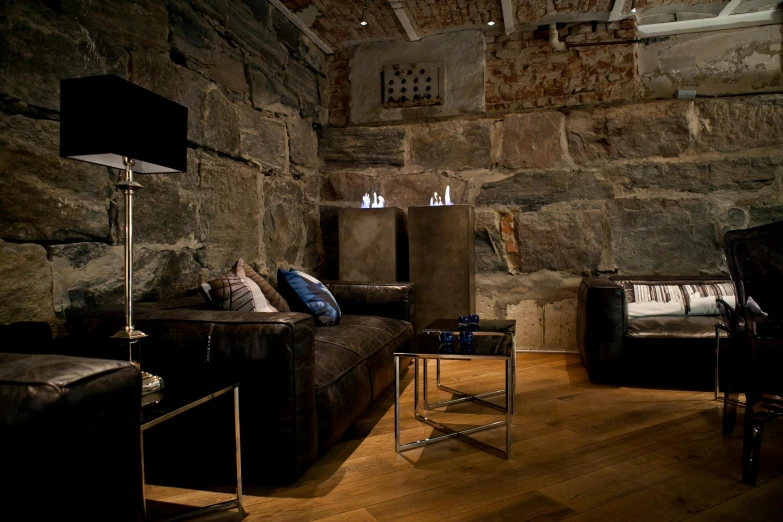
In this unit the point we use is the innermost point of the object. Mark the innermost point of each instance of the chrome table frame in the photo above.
(237, 502)
(463, 435)
(478, 398)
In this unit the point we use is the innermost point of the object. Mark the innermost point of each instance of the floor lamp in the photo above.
(109, 121)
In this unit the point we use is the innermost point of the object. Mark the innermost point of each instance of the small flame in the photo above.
(437, 201)
(377, 201)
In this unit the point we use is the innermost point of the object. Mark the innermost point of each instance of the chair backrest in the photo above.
(755, 260)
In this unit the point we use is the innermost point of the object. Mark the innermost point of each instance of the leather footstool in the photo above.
(69, 439)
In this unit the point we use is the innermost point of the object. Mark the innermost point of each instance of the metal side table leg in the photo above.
(238, 447)
(396, 404)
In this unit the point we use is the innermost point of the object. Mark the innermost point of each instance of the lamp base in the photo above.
(150, 383)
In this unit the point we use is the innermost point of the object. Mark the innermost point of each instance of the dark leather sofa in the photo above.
(660, 350)
(69, 433)
(302, 387)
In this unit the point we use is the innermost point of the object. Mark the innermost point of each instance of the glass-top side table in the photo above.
(505, 328)
(175, 400)
(426, 347)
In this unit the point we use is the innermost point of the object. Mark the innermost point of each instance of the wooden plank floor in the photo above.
(580, 452)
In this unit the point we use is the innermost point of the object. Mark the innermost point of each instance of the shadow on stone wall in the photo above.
(251, 83)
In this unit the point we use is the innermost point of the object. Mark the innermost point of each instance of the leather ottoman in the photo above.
(69, 437)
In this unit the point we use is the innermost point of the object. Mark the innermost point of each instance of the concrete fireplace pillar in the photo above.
(373, 245)
(442, 266)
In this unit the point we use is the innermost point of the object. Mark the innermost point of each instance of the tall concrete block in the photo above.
(442, 266)
(373, 244)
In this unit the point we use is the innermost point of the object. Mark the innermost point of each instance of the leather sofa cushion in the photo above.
(348, 372)
(673, 327)
(338, 348)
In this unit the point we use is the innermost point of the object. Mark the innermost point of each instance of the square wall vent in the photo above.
(412, 84)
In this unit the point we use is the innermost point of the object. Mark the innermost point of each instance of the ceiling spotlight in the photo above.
(364, 17)
(633, 6)
(491, 16)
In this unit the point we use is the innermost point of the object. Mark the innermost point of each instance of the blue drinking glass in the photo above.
(463, 321)
(446, 337)
(466, 337)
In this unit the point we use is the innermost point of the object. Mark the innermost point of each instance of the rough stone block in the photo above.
(25, 284)
(452, 145)
(89, 276)
(283, 224)
(137, 25)
(657, 129)
(561, 237)
(347, 148)
(349, 186)
(247, 28)
(231, 205)
(586, 132)
(532, 190)
(297, 43)
(303, 81)
(262, 140)
(221, 123)
(302, 143)
(740, 123)
(701, 176)
(764, 214)
(490, 254)
(205, 50)
(179, 84)
(166, 210)
(663, 128)
(269, 92)
(416, 189)
(328, 222)
(534, 140)
(560, 326)
(39, 48)
(44, 197)
(664, 236)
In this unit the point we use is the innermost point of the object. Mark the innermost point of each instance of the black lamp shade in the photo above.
(103, 118)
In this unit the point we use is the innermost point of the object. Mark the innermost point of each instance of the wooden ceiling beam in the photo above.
(508, 15)
(301, 26)
(716, 23)
(399, 9)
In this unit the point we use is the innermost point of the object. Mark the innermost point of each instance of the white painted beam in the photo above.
(617, 10)
(718, 23)
(508, 15)
(399, 10)
(730, 7)
(302, 27)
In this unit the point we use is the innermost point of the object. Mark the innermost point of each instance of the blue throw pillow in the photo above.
(307, 294)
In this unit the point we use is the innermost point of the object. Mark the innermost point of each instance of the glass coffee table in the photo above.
(484, 347)
(505, 328)
(175, 400)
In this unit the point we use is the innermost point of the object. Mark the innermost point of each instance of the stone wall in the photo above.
(741, 61)
(524, 72)
(634, 188)
(252, 84)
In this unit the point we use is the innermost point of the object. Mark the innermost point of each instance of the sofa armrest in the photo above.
(393, 300)
(601, 325)
(270, 354)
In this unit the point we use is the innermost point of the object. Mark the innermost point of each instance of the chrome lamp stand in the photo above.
(150, 383)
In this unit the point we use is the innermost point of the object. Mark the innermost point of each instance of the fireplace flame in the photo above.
(437, 201)
(377, 202)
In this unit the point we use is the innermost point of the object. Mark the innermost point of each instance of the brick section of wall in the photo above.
(339, 85)
(524, 72)
(432, 16)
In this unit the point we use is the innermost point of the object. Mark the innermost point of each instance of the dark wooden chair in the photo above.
(755, 260)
